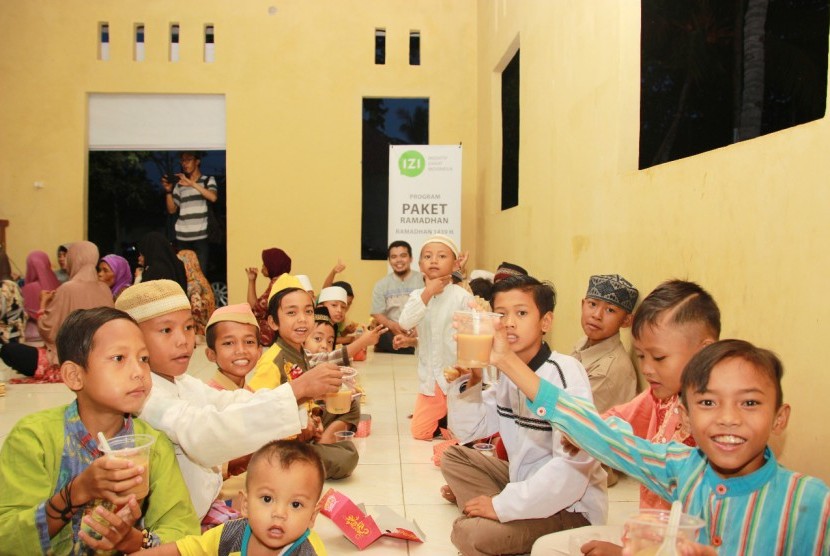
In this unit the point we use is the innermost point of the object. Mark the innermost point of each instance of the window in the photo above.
(510, 134)
(415, 48)
(174, 42)
(138, 48)
(715, 73)
(104, 41)
(386, 121)
(380, 46)
(210, 46)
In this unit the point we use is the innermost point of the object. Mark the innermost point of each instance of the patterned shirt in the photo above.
(770, 511)
(12, 313)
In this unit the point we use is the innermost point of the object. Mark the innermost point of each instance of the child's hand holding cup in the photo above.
(474, 334)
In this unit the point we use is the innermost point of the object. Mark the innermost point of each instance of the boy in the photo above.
(732, 399)
(291, 316)
(607, 307)
(207, 426)
(232, 337)
(336, 300)
(543, 489)
(51, 470)
(284, 483)
(430, 309)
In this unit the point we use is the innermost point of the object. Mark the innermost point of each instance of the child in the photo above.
(284, 483)
(336, 300)
(732, 398)
(208, 427)
(430, 309)
(51, 472)
(232, 337)
(543, 489)
(607, 307)
(321, 340)
(673, 322)
(275, 263)
(291, 316)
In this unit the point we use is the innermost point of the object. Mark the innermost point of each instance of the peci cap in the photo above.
(305, 281)
(241, 313)
(438, 238)
(284, 282)
(148, 300)
(507, 269)
(614, 289)
(333, 293)
(321, 314)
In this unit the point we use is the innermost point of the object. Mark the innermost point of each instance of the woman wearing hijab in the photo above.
(12, 313)
(275, 263)
(83, 290)
(160, 262)
(202, 301)
(39, 278)
(114, 271)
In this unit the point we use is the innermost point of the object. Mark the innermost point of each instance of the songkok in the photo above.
(506, 270)
(305, 281)
(241, 313)
(283, 283)
(276, 261)
(438, 238)
(333, 293)
(148, 300)
(614, 289)
(321, 314)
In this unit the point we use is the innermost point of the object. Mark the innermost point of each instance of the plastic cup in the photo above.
(645, 530)
(344, 435)
(339, 402)
(136, 448)
(485, 449)
(474, 337)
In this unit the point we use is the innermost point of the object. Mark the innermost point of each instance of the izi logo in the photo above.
(411, 163)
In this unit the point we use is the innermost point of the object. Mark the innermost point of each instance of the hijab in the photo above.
(39, 277)
(276, 261)
(83, 290)
(121, 269)
(160, 262)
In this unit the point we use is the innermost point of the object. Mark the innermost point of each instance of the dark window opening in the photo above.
(386, 121)
(415, 48)
(510, 134)
(715, 73)
(380, 46)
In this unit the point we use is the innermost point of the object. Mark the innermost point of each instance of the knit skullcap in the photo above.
(444, 240)
(148, 300)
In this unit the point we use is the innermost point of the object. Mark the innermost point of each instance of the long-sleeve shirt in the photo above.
(770, 511)
(436, 346)
(35, 463)
(544, 479)
(610, 370)
(209, 427)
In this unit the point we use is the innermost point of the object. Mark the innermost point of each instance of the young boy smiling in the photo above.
(507, 506)
(52, 473)
(732, 399)
(284, 483)
(209, 427)
(232, 338)
(430, 309)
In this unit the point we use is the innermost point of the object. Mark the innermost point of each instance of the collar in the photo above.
(594, 352)
(741, 486)
(540, 358)
(225, 382)
(75, 427)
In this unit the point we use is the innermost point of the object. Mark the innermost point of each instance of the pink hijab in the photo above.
(39, 277)
(83, 290)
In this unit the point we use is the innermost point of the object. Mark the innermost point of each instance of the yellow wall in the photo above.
(294, 83)
(747, 221)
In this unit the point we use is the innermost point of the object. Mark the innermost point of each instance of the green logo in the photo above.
(411, 163)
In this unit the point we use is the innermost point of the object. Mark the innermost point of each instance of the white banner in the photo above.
(424, 194)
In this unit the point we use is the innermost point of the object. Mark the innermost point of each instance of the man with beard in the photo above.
(391, 292)
(188, 194)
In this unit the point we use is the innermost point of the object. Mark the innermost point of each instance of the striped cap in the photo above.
(148, 300)
(241, 313)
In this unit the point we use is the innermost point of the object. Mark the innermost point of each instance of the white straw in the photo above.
(102, 442)
(476, 323)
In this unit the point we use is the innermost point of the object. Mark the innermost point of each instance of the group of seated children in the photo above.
(133, 360)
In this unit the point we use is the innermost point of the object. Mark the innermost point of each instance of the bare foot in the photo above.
(447, 494)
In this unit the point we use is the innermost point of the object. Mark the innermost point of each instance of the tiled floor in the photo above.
(394, 470)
